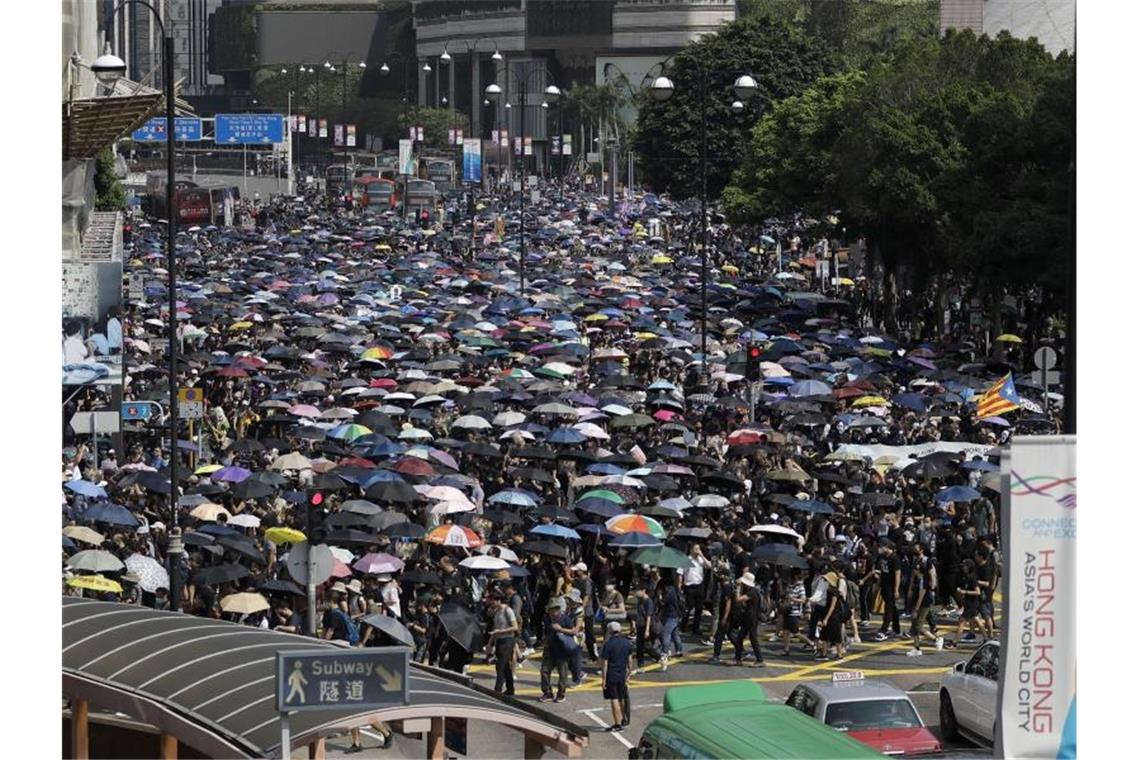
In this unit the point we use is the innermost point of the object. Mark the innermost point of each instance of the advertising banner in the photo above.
(1037, 693)
(566, 138)
(451, 137)
(406, 165)
(350, 136)
(412, 133)
(472, 160)
(459, 137)
(420, 134)
(556, 145)
(312, 127)
(528, 147)
(302, 126)
(518, 146)
(323, 130)
(504, 140)
(338, 135)
(495, 136)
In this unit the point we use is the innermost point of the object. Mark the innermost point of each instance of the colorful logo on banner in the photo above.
(1039, 653)
(323, 129)
(350, 135)
(338, 135)
(472, 160)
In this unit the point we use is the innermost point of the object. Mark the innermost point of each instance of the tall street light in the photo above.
(344, 115)
(661, 90)
(108, 69)
(493, 92)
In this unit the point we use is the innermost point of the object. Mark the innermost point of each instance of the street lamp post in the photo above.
(744, 88)
(344, 115)
(407, 61)
(493, 91)
(108, 69)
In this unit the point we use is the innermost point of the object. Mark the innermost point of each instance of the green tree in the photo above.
(783, 60)
(436, 122)
(109, 193)
(952, 156)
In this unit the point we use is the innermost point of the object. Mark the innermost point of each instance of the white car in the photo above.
(968, 696)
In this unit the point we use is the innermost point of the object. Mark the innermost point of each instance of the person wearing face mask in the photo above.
(612, 605)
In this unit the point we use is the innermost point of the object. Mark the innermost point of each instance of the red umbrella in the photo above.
(414, 466)
(232, 371)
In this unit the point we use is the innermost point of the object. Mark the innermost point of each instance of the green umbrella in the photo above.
(632, 420)
(662, 556)
(602, 493)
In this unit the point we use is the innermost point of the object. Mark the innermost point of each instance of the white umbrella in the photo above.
(291, 461)
(209, 511)
(590, 430)
(710, 500)
(244, 603)
(344, 555)
(504, 553)
(777, 529)
(507, 419)
(245, 521)
(471, 422)
(415, 434)
(95, 561)
(84, 534)
(484, 562)
(151, 574)
(452, 507)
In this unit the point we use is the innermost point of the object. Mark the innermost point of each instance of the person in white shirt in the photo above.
(390, 596)
(694, 580)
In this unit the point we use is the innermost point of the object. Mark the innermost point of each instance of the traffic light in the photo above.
(752, 362)
(316, 499)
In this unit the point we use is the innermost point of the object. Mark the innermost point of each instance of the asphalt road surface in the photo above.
(585, 706)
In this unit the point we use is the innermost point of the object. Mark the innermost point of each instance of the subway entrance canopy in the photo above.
(211, 685)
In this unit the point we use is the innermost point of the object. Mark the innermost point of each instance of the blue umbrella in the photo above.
(957, 493)
(86, 488)
(566, 435)
(106, 512)
(598, 530)
(634, 541)
(601, 507)
(811, 505)
(514, 496)
(809, 388)
(556, 531)
(217, 529)
(977, 464)
(911, 401)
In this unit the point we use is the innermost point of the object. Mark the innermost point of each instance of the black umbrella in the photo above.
(721, 479)
(546, 548)
(534, 452)
(391, 491)
(251, 489)
(361, 507)
(391, 627)
(553, 512)
(281, 586)
(877, 499)
(409, 530)
(502, 517)
(929, 468)
(329, 482)
(484, 450)
(219, 574)
(247, 446)
(194, 538)
(421, 576)
(347, 520)
(532, 474)
(243, 547)
(350, 536)
(461, 624)
(699, 534)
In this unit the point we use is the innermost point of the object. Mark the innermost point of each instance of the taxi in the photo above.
(872, 712)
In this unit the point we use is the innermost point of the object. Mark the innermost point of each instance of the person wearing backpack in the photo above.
(748, 611)
(337, 625)
(836, 614)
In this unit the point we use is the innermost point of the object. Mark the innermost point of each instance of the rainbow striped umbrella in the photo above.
(635, 523)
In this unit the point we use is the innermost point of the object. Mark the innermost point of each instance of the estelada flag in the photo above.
(999, 398)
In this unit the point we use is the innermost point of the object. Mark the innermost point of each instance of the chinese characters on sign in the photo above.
(329, 678)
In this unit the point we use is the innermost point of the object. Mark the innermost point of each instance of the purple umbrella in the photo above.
(232, 474)
(378, 562)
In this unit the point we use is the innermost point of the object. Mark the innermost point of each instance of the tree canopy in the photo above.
(951, 155)
(783, 60)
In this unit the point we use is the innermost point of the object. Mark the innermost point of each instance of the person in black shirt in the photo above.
(617, 659)
(888, 570)
(986, 571)
(643, 628)
(745, 619)
(726, 592)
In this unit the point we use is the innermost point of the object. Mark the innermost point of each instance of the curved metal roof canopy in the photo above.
(213, 684)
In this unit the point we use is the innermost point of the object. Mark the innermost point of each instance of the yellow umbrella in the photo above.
(243, 325)
(730, 268)
(846, 281)
(383, 247)
(596, 318)
(84, 534)
(206, 469)
(870, 401)
(95, 583)
(244, 603)
(885, 460)
(661, 259)
(645, 335)
(881, 352)
(1008, 338)
(209, 511)
(284, 535)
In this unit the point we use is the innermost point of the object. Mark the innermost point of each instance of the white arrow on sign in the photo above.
(232, 139)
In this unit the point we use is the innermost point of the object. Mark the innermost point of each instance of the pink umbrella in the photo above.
(378, 562)
(341, 570)
(304, 410)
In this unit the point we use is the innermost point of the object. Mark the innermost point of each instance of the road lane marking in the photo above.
(615, 734)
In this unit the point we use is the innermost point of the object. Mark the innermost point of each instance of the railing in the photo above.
(429, 10)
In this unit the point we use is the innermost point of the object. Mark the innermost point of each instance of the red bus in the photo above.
(375, 193)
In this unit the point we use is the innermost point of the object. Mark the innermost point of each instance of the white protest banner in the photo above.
(907, 454)
(1037, 691)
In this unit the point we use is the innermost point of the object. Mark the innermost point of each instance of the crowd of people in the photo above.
(557, 473)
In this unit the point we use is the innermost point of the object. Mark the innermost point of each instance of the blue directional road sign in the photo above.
(140, 410)
(185, 128)
(249, 128)
(319, 679)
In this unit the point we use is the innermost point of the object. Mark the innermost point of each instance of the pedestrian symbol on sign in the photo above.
(297, 682)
